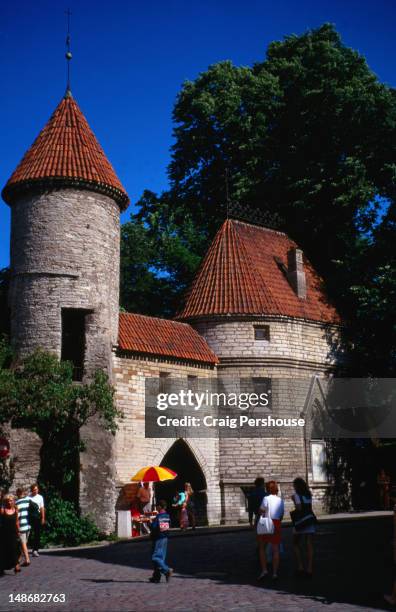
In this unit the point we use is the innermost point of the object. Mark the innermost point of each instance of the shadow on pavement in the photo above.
(353, 562)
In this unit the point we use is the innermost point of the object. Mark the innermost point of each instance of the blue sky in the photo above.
(130, 59)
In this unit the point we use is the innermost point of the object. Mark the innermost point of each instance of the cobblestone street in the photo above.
(214, 572)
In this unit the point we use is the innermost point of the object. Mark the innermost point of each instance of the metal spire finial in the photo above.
(68, 54)
(227, 192)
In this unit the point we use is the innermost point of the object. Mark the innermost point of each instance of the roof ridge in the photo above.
(253, 276)
(240, 247)
(147, 316)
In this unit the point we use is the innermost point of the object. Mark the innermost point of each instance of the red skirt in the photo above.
(273, 538)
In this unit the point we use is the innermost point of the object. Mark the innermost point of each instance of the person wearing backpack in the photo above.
(36, 517)
(159, 527)
(304, 522)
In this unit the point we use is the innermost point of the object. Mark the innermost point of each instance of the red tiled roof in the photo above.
(66, 152)
(242, 275)
(160, 337)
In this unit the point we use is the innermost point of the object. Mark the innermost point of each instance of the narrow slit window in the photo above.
(164, 381)
(73, 339)
(192, 383)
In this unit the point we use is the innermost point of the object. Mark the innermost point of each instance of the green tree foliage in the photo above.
(157, 260)
(65, 526)
(308, 139)
(39, 394)
(372, 329)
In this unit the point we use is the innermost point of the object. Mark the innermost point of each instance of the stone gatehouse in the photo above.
(256, 309)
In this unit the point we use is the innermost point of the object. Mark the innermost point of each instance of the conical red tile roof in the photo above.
(66, 153)
(244, 273)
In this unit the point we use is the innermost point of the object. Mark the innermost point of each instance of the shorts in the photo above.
(272, 538)
(306, 531)
(24, 536)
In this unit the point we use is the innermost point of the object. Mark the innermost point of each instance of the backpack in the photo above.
(33, 512)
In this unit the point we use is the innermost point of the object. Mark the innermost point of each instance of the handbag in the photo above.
(265, 525)
(303, 518)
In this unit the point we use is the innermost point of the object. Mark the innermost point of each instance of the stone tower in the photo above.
(65, 201)
(263, 311)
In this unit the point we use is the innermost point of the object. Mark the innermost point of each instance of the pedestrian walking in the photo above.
(190, 506)
(304, 522)
(272, 507)
(9, 536)
(25, 508)
(36, 517)
(255, 498)
(159, 527)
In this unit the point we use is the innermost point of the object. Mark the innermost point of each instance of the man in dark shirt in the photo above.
(159, 528)
(255, 497)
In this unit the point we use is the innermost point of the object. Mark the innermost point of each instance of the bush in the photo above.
(65, 526)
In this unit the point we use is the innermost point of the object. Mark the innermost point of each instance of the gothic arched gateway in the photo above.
(181, 460)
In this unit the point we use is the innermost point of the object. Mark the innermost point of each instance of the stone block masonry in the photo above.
(133, 450)
(292, 342)
(25, 455)
(65, 255)
(295, 349)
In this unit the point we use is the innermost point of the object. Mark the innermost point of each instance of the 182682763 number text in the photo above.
(37, 598)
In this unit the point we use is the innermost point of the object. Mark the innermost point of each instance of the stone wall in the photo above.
(296, 351)
(133, 450)
(292, 343)
(65, 254)
(25, 454)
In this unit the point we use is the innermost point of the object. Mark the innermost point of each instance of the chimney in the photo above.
(296, 273)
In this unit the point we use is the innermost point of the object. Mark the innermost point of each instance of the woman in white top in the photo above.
(303, 498)
(271, 506)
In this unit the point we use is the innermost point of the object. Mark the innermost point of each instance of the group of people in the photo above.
(182, 505)
(21, 519)
(264, 501)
